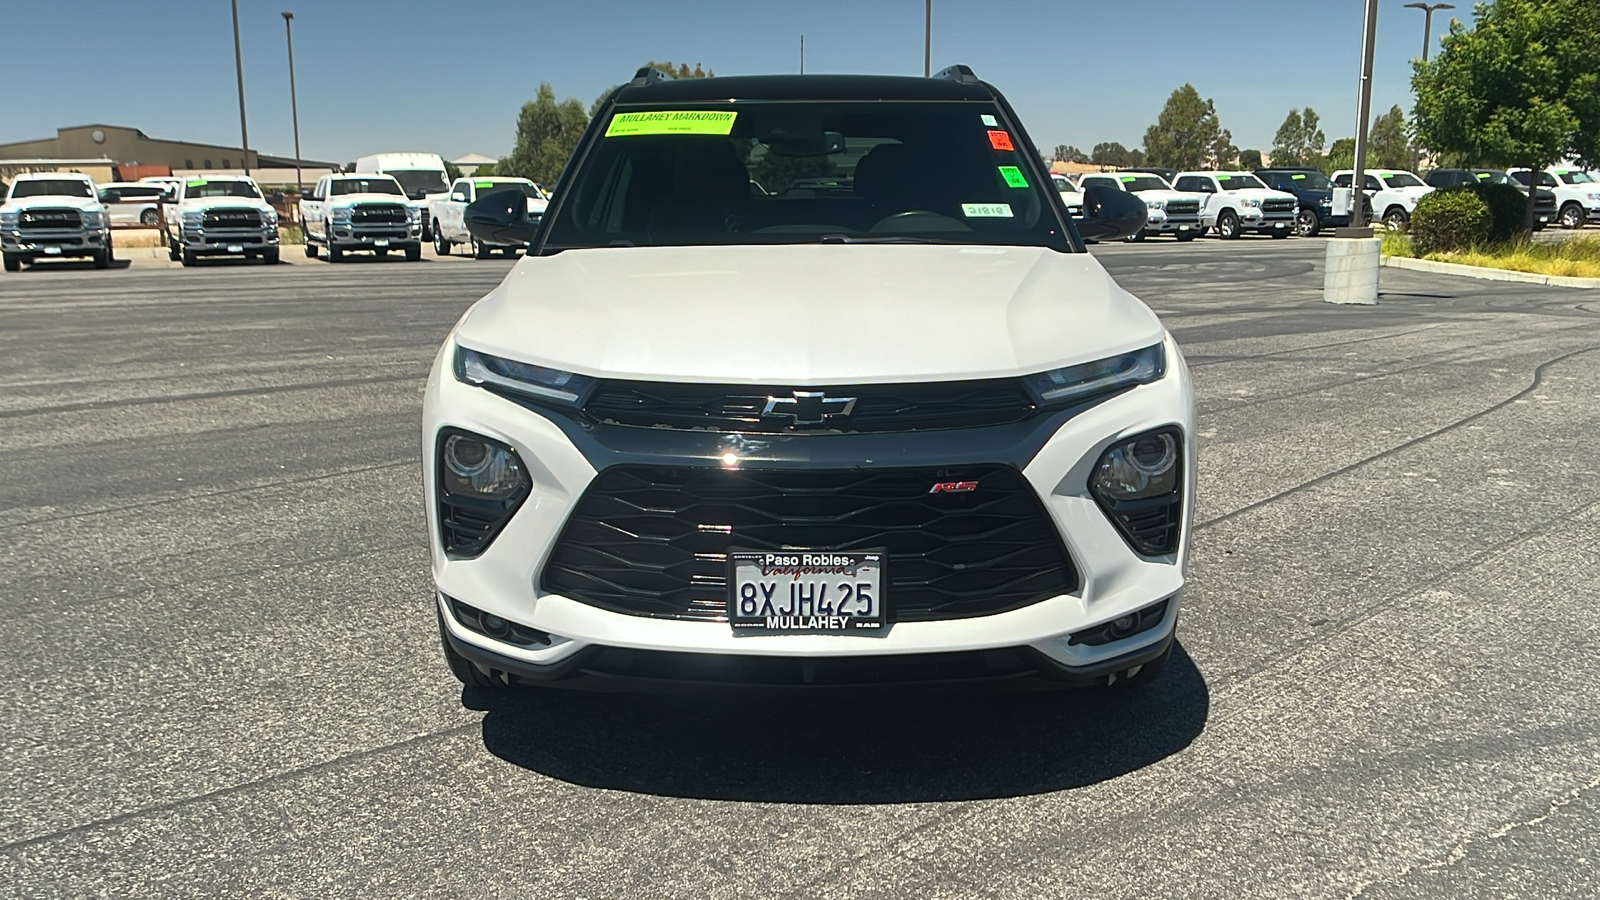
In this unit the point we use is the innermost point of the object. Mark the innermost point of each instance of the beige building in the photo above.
(130, 146)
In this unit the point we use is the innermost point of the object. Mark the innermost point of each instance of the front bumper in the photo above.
(232, 241)
(1055, 461)
(1251, 219)
(42, 244)
(1158, 222)
(375, 237)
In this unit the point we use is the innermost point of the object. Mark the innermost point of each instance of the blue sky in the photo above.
(447, 76)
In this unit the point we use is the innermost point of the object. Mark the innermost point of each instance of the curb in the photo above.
(1485, 274)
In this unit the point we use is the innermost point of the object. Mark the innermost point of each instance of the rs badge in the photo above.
(953, 487)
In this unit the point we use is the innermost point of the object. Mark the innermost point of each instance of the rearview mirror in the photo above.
(1110, 213)
(501, 218)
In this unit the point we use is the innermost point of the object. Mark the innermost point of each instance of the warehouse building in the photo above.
(132, 147)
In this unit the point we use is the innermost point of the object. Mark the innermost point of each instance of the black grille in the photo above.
(653, 540)
(378, 214)
(49, 219)
(1183, 207)
(877, 408)
(1279, 204)
(231, 218)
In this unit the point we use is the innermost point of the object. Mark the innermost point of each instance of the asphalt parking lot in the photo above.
(222, 674)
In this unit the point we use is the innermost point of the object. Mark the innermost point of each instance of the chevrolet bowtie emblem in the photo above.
(808, 407)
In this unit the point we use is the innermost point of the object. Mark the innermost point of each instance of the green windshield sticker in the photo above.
(986, 210)
(667, 122)
(193, 183)
(1298, 177)
(989, 120)
(1483, 174)
(1129, 179)
(483, 184)
(1013, 176)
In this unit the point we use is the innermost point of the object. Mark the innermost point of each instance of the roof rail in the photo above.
(647, 75)
(959, 73)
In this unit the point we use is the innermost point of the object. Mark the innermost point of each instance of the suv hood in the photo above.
(1161, 194)
(808, 314)
(82, 204)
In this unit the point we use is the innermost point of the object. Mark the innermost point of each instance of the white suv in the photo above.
(53, 215)
(906, 430)
(1577, 193)
(1237, 202)
(1171, 212)
(1392, 194)
(220, 215)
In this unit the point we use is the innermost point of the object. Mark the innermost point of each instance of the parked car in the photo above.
(1167, 175)
(1170, 212)
(449, 228)
(1070, 194)
(1544, 200)
(220, 215)
(345, 213)
(53, 215)
(1320, 204)
(419, 175)
(1237, 202)
(1577, 193)
(905, 433)
(1392, 194)
(132, 203)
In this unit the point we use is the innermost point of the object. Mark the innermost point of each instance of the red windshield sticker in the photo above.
(1000, 140)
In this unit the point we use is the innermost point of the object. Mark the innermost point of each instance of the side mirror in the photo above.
(1111, 213)
(459, 197)
(501, 218)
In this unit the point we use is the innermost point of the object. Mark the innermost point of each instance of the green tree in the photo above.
(1187, 134)
(1250, 160)
(1388, 144)
(1342, 155)
(1071, 154)
(547, 133)
(1521, 87)
(1113, 154)
(1299, 140)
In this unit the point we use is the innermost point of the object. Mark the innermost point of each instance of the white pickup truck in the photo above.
(1170, 212)
(51, 215)
(1237, 202)
(360, 212)
(220, 215)
(1071, 194)
(1577, 193)
(446, 213)
(1392, 194)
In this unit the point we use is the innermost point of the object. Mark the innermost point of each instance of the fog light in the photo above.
(493, 625)
(1138, 482)
(1123, 626)
(476, 466)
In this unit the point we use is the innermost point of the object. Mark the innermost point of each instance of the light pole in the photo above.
(238, 70)
(927, 38)
(294, 106)
(1427, 22)
(1358, 197)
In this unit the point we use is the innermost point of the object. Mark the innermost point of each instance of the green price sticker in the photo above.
(1298, 177)
(483, 184)
(1013, 176)
(1483, 175)
(671, 122)
(1129, 179)
(193, 183)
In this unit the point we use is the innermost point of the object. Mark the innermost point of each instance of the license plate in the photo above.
(235, 248)
(1277, 225)
(805, 591)
(1183, 228)
(52, 251)
(381, 242)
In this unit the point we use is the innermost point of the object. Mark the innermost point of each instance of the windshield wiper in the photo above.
(878, 239)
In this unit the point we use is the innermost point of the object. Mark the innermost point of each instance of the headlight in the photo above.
(1138, 483)
(484, 370)
(9, 219)
(192, 219)
(1326, 201)
(1249, 201)
(1156, 204)
(340, 214)
(1061, 387)
(93, 218)
(270, 218)
(476, 466)
(413, 214)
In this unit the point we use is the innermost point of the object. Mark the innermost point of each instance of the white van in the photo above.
(419, 174)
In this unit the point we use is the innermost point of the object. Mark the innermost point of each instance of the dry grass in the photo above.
(1396, 243)
(1577, 257)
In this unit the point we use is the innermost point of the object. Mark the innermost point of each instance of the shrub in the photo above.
(1449, 220)
(1508, 209)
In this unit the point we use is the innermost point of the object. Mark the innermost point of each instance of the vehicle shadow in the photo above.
(71, 265)
(851, 748)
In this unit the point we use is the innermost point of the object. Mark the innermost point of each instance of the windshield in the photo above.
(1308, 181)
(380, 185)
(1490, 176)
(1239, 182)
(1402, 180)
(1133, 183)
(193, 189)
(417, 182)
(1064, 184)
(833, 171)
(52, 187)
(1575, 177)
(485, 188)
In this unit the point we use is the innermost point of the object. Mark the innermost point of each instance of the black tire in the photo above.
(111, 251)
(270, 257)
(1396, 219)
(1185, 237)
(311, 250)
(13, 263)
(414, 253)
(1571, 216)
(1279, 234)
(441, 247)
(149, 218)
(462, 668)
(1228, 225)
(479, 251)
(381, 252)
(189, 258)
(174, 253)
(335, 254)
(1134, 238)
(427, 229)
(1307, 223)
